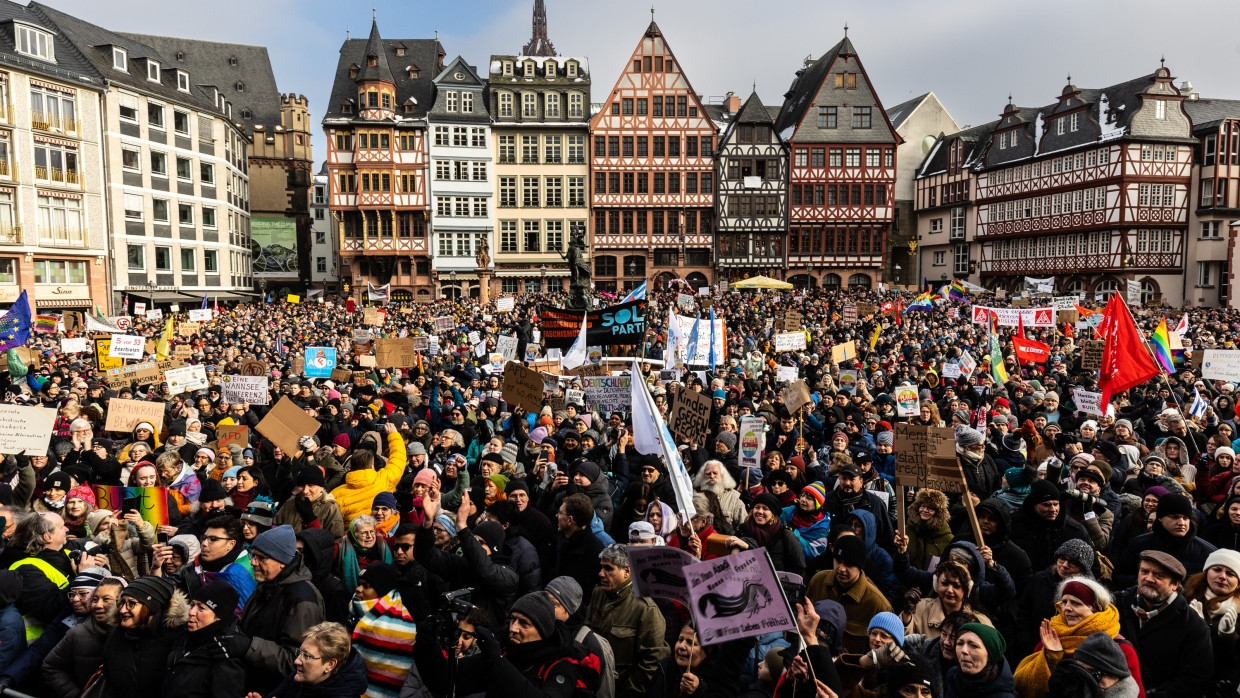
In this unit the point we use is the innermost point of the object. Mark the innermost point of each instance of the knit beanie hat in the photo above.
(850, 550)
(1078, 551)
(1124, 423)
(491, 533)
(381, 577)
(816, 491)
(279, 544)
(590, 470)
(259, 512)
(425, 476)
(310, 475)
(95, 518)
(58, 480)
(991, 639)
(832, 620)
(728, 439)
(82, 492)
(1224, 451)
(516, 486)
(886, 438)
(152, 592)
(538, 609)
(537, 434)
(917, 671)
(1042, 491)
(1226, 557)
(1016, 477)
(567, 591)
(385, 499)
(212, 491)
(233, 471)
(219, 596)
(187, 544)
(1104, 654)
(1175, 504)
(89, 578)
(1156, 491)
(768, 500)
(417, 448)
(509, 453)
(448, 524)
(501, 482)
(891, 623)
(967, 436)
(342, 440)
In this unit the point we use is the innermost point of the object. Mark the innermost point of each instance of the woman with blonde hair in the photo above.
(1085, 607)
(927, 415)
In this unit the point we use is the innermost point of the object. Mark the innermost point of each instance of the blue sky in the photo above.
(971, 53)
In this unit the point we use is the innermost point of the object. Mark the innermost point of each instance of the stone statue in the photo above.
(579, 271)
(483, 260)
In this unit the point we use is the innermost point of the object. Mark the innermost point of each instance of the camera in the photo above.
(456, 603)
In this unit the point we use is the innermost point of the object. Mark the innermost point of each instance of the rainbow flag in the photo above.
(1161, 344)
(46, 324)
(150, 502)
(956, 292)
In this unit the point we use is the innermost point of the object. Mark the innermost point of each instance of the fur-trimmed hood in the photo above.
(934, 498)
(177, 613)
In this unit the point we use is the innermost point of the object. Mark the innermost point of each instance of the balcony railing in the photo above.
(10, 234)
(55, 174)
(53, 122)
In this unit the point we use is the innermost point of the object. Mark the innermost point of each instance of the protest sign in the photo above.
(73, 345)
(507, 346)
(850, 314)
(790, 341)
(614, 325)
(1088, 402)
(736, 596)
(103, 358)
(285, 424)
(1091, 354)
(126, 346)
(751, 441)
(866, 309)
(293, 298)
(1221, 364)
(1011, 317)
(968, 364)
(422, 342)
(844, 352)
(371, 316)
(154, 315)
(607, 393)
(27, 430)
(229, 434)
(848, 379)
(687, 302)
(689, 416)
(793, 321)
(505, 304)
(444, 323)
(474, 337)
(906, 400)
(186, 379)
(200, 315)
(586, 370)
(531, 352)
(522, 387)
(253, 367)
(251, 389)
(786, 374)
(151, 503)
(361, 336)
(572, 396)
(926, 457)
(367, 361)
(188, 329)
(182, 352)
(319, 362)
(796, 395)
(1064, 302)
(395, 353)
(951, 370)
(658, 572)
(145, 372)
(124, 415)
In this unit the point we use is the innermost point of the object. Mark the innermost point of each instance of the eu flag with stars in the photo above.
(15, 325)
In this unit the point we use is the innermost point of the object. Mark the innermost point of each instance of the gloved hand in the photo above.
(228, 647)
(307, 444)
(487, 644)
(305, 509)
(889, 655)
(911, 598)
(1224, 688)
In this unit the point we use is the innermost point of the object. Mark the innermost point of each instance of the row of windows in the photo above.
(1063, 202)
(461, 206)
(960, 259)
(371, 140)
(838, 194)
(1045, 168)
(663, 182)
(378, 182)
(654, 146)
(751, 245)
(131, 159)
(461, 136)
(549, 149)
(461, 170)
(1071, 244)
(549, 66)
(843, 157)
(460, 244)
(536, 192)
(765, 168)
(829, 117)
(163, 259)
(1154, 152)
(835, 241)
(1221, 140)
(635, 265)
(747, 205)
(61, 220)
(530, 235)
(654, 222)
(668, 106)
(1156, 195)
(1215, 192)
(379, 224)
(135, 210)
(552, 104)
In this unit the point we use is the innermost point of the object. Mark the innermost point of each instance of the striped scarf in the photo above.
(384, 637)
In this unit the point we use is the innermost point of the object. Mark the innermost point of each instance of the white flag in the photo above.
(577, 355)
(671, 355)
(651, 436)
(97, 324)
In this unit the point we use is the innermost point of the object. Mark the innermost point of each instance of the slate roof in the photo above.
(374, 47)
(901, 111)
(977, 139)
(70, 65)
(424, 54)
(94, 45)
(1206, 113)
(801, 93)
(753, 111)
(211, 63)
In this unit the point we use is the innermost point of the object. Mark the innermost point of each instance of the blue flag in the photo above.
(693, 340)
(15, 324)
(711, 358)
(204, 300)
(636, 294)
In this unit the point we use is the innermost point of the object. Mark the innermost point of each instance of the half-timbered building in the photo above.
(842, 173)
(653, 172)
(751, 205)
(1213, 202)
(376, 128)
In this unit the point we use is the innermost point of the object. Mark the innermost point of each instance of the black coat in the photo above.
(1190, 550)
(193, 673)
(494, 583)
(1040, 538)
(134, 661)
(1177, 659)
(577, 557)
(276, 615)
(349, 681)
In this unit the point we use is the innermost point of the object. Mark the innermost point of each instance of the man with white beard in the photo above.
(714, 478)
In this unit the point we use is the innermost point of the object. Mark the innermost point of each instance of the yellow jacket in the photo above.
(360, 486)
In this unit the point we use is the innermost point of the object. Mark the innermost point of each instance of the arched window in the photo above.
(1104, 288)
(831, 282)
(859, 281)
(1074, 286)
(806, 281)
(402, 296)
(635, 265)
(1150, 291)
(697, 280)
(450, 291)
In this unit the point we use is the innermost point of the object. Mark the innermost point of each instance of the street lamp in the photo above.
(542, 284)
(898, 269)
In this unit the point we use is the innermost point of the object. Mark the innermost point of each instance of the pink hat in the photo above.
(82, 492)
(537, 434)
(332, 394)
(426, 476)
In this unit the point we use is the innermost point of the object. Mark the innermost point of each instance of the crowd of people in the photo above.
(430, 539)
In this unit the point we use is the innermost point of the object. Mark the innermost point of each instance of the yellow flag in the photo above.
(163, 346)
(878, 330)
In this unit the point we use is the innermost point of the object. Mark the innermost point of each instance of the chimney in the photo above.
(1186, 89)
(732, 103)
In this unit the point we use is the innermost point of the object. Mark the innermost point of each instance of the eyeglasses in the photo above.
(128, 603)
(305, 655)
(217, 539)
(258, 557)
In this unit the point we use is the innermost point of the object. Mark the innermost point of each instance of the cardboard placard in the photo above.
(395, 353)
(689, 416)
(866, 309)
(188, 329)
(522, 387)
(229, 434)
(366, 361)
(586, 370)
(371, 316)
(844, 352)
(253, 367)
(341, 375)
(182, 352)
(1067, 316)
(926, 457)
(1091, 354)
(72, 320)
(26, 430)
(103, 355)
(285, 424)
(793, 321)
(796, 396)
(145, 372)
(124, 415)
(790, 341)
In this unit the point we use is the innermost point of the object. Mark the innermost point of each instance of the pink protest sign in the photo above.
(737, 596)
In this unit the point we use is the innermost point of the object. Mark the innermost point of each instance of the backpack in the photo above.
(588, 671)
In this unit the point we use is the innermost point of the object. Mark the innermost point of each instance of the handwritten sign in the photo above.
(285, 424)
(793, 321)
(25, 430)
(926, 457)
(228, 434)
(790, 341)
(395, 353)
(200, 315)
(522, 387)
(796, 395)
(126, 346)
(124, 415)
(736, 596)
(1088, 402)
(154, 315)
(103, 355)
(251, 389)
(658, 572)
(690, 415)
(253, 367)
(505, 304)
(372, 316)
(785, 374)
(608, 394)
(866, 309)
(188, 329)
(145, 372)
(73, 345)
(186, 379)
(507, 346)
(850, 313)
(1091, 354)
(151, 503)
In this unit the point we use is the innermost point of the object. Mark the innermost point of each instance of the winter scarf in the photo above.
(1033, 674)
(803, 519)
(352, 564)
(762, 534)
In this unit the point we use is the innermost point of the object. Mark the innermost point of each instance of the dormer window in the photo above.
(240, 86)
(413, 71)
(401, 49)
(180, 56)
(347, 107)
(232, 61)
(570, 69)
(33, 42)
(529, 69)
(372, 60)
(182, 81)
(120, 58)
(549, 67)
(353, 70)
(508, 68)
(152, 71)
(467, 103)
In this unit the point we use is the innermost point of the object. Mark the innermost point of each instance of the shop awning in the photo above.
(62, 303)
(161, 296)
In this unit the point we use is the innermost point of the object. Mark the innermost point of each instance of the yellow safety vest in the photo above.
(34, 627)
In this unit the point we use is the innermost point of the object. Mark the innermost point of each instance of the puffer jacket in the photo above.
(358, 492)
(76, 658)
(278, 613)
(136, 660)
(927, 540)
(318, 553)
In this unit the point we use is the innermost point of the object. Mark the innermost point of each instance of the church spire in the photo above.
(376, 58)
(539, 44)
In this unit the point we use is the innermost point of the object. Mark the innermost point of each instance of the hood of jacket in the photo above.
(868, 526)
(1000, 510)
(318, 551)
(977, 564)
(174, 615)
(1183, 459)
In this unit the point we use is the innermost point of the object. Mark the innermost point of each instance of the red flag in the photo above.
(1125, 360)
(899, 310)
(1068, 331)
(1028, 350)
(1020, 325)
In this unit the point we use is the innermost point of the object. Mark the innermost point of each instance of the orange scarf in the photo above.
(1033, 674)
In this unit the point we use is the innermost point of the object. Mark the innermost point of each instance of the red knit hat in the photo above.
(82, 492)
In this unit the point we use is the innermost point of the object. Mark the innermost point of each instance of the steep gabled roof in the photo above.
(903, 110)
(753, 111)
(70, 65)
(424, 55)
(1206, 113)
(801, 93)
(374, 47)
(976, 140)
